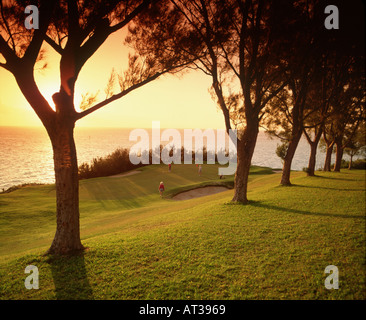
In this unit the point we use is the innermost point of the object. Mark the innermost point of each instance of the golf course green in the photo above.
(142, 246)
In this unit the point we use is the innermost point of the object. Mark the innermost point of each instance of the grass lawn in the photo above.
(144, 247)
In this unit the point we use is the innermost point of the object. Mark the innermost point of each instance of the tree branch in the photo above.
(7, 25)
(119, 95)
(25, 80)
(272, 95)
(130, 89)
(54, 45)
(306, 135)
(73, 21)
(229, 62)
(200, 68)
(6, 51)
(34, 47)
(4, 65)
(133, 14)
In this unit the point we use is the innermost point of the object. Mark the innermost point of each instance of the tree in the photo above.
(317, 134)
(320, 67)
(239, 45)
(348, 110)
(344, 134)
(344, 71)
(347, 125)
(357, 144)
(285, 117)
(75, 30)
(335, 78)
(342, 96)
(313, 128)
(281, 150)
(328, 145)
(342, 128)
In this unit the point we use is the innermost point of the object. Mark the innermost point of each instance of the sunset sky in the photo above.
(177, 102)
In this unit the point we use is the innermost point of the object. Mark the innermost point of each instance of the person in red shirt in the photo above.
(161, 188)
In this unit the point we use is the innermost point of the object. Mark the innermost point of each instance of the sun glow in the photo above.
(47, 93)
(177, 102)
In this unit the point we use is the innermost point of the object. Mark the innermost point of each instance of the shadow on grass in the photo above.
(317, 187)
(332, 178)
(326, 188)
(70, 277)
(259, 204)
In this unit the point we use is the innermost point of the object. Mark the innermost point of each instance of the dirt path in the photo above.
(199, 192)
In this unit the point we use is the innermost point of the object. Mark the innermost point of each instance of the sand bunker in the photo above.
(125, 174)
(199, 192)
(277, 170)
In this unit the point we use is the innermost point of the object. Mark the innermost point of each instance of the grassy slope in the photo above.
(206, 248)
(27, 215)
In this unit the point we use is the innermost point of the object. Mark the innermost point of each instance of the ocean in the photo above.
(26, 153)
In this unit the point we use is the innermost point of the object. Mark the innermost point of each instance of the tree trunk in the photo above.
(286, 171)
(312, 160)
(67, 237)
(350, 162)
(245, 150)
(328, 157)
(339, 155)
(60, 128)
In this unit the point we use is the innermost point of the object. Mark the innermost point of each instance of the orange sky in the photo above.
(182, 102)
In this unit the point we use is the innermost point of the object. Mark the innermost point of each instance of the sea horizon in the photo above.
(27, 157)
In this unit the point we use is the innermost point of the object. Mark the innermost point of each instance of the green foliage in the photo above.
(114, 163)
(359, 164)
(356, 164)
(281, 150)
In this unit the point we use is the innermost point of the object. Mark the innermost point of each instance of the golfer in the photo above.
(161, 188)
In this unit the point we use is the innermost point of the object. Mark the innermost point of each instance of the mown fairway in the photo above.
(144, 247)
